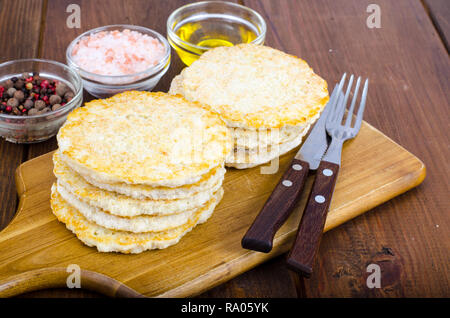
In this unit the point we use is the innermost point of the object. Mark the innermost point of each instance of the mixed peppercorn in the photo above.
(31, 94)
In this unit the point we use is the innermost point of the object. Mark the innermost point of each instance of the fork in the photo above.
(302, 254)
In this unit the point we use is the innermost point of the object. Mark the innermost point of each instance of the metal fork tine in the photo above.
(341, 83)
(348, 121)
(362, 105)
(339, 132)
(333, 99)
(334, 114)
(347, 94)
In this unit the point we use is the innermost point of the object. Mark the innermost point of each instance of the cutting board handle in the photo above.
(56, 277)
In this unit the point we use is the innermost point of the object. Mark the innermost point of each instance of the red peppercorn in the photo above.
(8, 109)
(2, 89)
(24, 110)
(44, 84)
(45, 98)
(29, 79)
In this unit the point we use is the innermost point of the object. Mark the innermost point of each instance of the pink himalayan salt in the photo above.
(117, 52)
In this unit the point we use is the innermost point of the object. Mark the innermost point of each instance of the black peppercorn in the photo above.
(33, 111)
(16, 111)
(68, 95)
(19, 95)
(8, 84)
(19, 84)
(39, 104)
(12, 102)
(10, 92)
(55, 99)
(56, 106)
(28, 104)
(61, 89)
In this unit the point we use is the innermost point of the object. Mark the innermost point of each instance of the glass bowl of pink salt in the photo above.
(117, 58)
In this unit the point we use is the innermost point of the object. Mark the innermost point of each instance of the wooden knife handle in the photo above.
(302, 254)
(277, 208)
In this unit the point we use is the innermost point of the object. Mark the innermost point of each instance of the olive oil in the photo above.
(199, 35)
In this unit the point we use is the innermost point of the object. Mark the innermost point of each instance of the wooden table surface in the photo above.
(408, 65)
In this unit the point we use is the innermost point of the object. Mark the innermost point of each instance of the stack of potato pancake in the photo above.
(268, 98)
(138, 170)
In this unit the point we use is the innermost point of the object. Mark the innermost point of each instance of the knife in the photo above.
(278, 207)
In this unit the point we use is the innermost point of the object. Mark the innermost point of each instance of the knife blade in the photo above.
(316, 144)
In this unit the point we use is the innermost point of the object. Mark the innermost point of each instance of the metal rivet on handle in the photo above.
(297, 167)
(287, 183)
(319, 198)
(327, 172)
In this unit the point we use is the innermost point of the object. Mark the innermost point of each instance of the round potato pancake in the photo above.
(146, 138)
(254, 86)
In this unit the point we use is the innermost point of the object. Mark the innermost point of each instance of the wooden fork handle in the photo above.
(303, 252)
(277, 208)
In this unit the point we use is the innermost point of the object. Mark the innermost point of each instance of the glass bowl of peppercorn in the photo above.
(35, 98)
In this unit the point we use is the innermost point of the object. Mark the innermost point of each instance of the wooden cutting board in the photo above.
(35, 249)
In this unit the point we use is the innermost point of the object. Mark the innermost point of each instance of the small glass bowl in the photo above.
(36, 128)
(102, 86)
(215, 23)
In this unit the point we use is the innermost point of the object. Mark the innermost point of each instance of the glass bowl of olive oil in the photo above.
(195, 28)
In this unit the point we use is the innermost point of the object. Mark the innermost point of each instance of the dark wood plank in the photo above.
(20, 28)
(439, 11)
(409, 72)
(269, 280)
